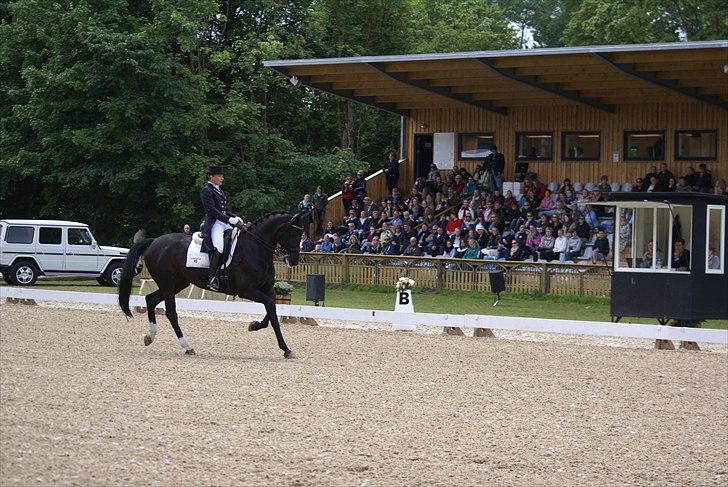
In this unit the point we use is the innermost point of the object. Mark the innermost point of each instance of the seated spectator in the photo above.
(721, 188)
(373, 247)
(647, 257)
(350, 218)
(364, 221)
(713, 259)
(680, 256)
(561, 246)
(396, 220)
(378, 219)
(574, 249)
(433, 175)
(306, 244)
(546, 247)
(473, 250)
(547, 205)
(566, 186)
(682, 186)
(652, 187)
(625, 233)
(453, 223)
(330, 229)
(459, 186)
(652, 173)
(517, 250)
(369, 206)
(533, 241)
(326, 244)
(638, 186)
(351, 232)
(470, 186)
(388, 246)
(602, 250)
(436, 240)
(412, 249)
(468, 222)
(449, 251)
(396, 199)
(495, 247)
(398, 237)
(338, 244)
(671, 186)
(590, 217)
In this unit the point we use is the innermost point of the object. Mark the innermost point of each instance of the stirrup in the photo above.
(213, 284)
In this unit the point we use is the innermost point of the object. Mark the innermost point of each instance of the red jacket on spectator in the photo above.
(347, 192)
(457, 188)
(453, 224)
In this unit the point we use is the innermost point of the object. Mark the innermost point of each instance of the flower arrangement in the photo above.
(404, 284)
(283, 288)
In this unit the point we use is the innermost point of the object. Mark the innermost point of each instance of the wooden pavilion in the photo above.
(577, 112)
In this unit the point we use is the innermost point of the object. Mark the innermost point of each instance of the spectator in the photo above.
(547, 205)
(680, 256)
(517, 250)
(561, 246)
(546, 247)
(713, 259)
(604, 186)
(305, 206)
(186, 229)
(602, 249)
(702, 179)
(671, 186)
(721, 188)
(647, 257)
(391, 171)
(337, 243)
(575, 246)
(326, 244)
(364, 221)
(437, 239)
(360, 187)
(432, 176)
(412, 249)
(395, 199)
(347, 193)
(625, 233)
(351, 232)
(638, 186)
(448, 251)
(320, 200)
(369, 206)
(496, 163)
(388, 246)
(352, 247)
(373, 247)
(306, 244)
(652, 173)
(652, 187)
(459, 186)
(473, 250)
(682, 186)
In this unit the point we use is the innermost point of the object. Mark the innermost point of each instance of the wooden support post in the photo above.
(689, 346)
(11, 300)
(453, 330)
(483, 333)
(308, 321)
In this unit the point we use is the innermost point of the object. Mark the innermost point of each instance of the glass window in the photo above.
(647, 239)
(475, 146)
(715, 252)
(49, 235)
(534, 145)
(79, 236)
(644, 146)
(695, 144)
(580, 146)
(19, 235)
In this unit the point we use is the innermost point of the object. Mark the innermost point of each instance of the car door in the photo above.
(81, 256)
(49, 249)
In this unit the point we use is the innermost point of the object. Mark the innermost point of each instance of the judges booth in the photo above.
(670, 257)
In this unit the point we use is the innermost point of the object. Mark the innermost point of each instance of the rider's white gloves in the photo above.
(235, 220)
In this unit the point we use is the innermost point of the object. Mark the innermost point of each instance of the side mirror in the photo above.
(94, 244)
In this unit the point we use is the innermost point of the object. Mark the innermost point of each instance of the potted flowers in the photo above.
(283, 291)
(404, 284)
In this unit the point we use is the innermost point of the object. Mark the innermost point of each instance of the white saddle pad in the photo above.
(201, 260)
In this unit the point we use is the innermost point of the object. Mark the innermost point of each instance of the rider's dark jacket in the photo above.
(215, 205)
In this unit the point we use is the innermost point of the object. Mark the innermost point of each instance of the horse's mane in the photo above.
(265, 217)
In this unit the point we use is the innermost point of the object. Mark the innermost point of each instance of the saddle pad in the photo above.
(197, 258)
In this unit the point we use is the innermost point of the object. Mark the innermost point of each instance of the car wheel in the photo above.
(24, 273)
(112, 276)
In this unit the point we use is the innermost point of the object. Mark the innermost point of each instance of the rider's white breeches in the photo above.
(217, 234)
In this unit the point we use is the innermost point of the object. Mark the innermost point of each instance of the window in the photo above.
(695, 144)
(580, 146)
(79, 236)
(644, 146)
(715, 251)
(647, 238)
(475, 146)
(19, 235)
(534, 146)
(49, 235)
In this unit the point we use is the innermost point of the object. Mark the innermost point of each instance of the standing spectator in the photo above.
(663, 178)
(306, 207)
(702, 179)
(360, 187)
(186, 229)
(648, 177)
(320, 200)
(391, 171)
(347, 193)
(602, 249)
(140, 234)
(497, 164)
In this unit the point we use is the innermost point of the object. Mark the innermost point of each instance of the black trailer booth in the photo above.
(670, 256)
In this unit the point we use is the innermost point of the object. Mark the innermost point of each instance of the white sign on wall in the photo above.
(443, 152)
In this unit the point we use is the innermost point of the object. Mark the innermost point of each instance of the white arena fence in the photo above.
(539, 325)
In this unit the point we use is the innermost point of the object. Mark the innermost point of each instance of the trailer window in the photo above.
(715, 251)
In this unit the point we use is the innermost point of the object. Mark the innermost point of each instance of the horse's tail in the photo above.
(129, 271)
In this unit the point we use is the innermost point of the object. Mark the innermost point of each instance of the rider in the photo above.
(217, 220)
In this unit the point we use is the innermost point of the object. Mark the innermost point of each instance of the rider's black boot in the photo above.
(215, 258)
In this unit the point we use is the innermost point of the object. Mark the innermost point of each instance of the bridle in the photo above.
(276, 247)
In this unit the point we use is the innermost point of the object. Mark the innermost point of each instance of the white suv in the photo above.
(31, 248)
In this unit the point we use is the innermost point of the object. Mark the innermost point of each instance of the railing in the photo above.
(451, 274)
(376, 190)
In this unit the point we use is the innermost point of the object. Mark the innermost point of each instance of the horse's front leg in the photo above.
(271, 315)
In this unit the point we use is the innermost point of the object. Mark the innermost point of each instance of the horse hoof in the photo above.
(147, 340)
(191, 351)
(289, 354)
(255, 326)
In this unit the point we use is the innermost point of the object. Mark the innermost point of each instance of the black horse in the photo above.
(251, 272)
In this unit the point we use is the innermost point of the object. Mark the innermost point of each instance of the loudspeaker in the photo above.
(315, 287)
(497, 282)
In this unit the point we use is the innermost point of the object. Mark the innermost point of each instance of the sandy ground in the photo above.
(83, 402)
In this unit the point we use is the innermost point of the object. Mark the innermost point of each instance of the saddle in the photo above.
(197, 258)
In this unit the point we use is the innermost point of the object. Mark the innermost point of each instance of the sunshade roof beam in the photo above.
(443, 91)
(348, 94)
(669, 84)
(551, 88)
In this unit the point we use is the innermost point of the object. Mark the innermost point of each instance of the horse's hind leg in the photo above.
(153, 299)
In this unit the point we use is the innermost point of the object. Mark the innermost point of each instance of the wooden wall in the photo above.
(572, 117)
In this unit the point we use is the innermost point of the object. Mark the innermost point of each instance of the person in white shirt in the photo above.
(561, 245)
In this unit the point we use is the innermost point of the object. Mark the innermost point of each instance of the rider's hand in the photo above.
(235, 221)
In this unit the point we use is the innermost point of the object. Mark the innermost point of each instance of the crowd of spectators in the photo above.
(458, 214)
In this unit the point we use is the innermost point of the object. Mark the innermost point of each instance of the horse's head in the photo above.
(289, 238)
